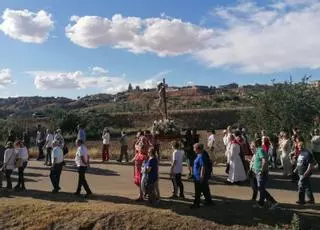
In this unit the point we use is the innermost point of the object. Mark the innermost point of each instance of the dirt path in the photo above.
(112, 185)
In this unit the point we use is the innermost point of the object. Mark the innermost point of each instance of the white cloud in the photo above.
(164, 36)
(266, 39)
(5, 77)
(27, 26)
(99, 70)
(252, 38)
(46, 80)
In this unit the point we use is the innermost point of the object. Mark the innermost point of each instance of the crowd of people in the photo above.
(248, 159)
(252, 161)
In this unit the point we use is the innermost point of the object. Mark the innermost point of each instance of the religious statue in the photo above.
(162, 99)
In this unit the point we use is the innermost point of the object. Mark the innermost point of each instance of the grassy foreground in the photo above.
(64, 212)
(39, 210)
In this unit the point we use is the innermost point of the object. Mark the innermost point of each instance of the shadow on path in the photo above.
(93, 170)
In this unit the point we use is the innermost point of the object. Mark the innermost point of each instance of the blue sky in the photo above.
(44, 52)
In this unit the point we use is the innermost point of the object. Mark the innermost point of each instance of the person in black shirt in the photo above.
(195, 137)
(190, 154)
(11, 137)
(305, 165)
(275, 145)
(26, 139)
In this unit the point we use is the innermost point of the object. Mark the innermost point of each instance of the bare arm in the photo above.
(202, 172)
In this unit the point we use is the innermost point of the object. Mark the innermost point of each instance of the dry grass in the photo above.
(95, 148)
(37, 215)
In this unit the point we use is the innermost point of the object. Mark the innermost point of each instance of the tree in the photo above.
(283, 106)
(130, 88)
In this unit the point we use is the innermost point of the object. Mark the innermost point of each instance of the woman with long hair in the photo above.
(141, 155)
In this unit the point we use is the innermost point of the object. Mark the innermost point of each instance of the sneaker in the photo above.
(55, 191)
(273, 206)
(182, 197)
(76, 193)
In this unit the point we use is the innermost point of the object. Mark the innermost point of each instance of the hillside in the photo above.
(144, 100)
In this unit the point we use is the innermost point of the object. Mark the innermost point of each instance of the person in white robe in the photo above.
(236, 169)
(285, 152)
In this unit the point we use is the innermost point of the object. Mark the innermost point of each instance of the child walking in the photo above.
(176, 170)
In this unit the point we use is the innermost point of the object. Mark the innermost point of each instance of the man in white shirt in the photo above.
(48, 145)
(211, 144)
(56, 168)
(82, 162)
(105, 144)
(22, 155)
(176, 170)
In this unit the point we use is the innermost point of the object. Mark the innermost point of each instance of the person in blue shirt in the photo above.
(201, 174)
(152, 169)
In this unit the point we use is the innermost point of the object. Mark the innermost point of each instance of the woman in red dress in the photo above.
(141, 155)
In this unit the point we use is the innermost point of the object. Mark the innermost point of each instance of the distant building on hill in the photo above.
(196, 90)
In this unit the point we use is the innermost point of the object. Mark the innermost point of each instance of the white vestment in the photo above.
(236, 170)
